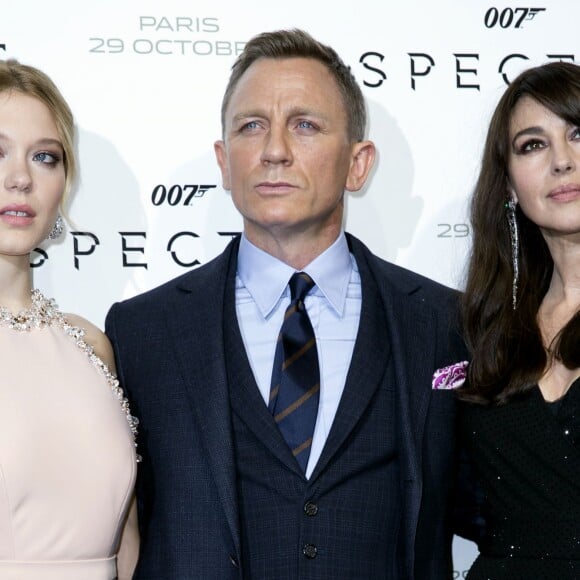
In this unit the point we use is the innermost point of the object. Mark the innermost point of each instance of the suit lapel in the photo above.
(196, 327)
(412, 335)
(412, 331)
(245, 397)
(368, 365)
(397, 333)
(394, 330)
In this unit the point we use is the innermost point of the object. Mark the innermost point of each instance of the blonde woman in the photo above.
(67, 453)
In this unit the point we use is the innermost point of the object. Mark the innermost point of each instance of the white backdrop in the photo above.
(145, 81)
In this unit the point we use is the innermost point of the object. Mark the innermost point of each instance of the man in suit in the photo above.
(349, 478)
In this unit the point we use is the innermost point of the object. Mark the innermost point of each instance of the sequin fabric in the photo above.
(527, 456)
(44, 312)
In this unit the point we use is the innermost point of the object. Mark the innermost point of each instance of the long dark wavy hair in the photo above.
(508, 355)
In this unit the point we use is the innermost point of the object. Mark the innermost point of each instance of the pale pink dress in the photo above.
(67, 459)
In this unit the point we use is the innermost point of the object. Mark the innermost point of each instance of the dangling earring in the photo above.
(57, 228)
(515, 243)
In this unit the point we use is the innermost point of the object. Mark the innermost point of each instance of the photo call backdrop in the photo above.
(145, 82)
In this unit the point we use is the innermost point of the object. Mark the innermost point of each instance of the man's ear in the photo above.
(222, 160)
(361, 162)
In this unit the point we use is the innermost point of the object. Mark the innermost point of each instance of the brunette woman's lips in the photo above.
(567, 192)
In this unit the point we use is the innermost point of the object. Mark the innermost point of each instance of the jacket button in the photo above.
(309, 550)
(234, 561)
(310, 508)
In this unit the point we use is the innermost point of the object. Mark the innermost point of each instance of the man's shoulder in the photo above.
(205, 278)
(400, 278)
(413, 279)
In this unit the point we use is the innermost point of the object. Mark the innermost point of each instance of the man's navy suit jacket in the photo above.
(169, 347)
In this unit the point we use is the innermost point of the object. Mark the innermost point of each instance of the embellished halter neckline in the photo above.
(44, 312)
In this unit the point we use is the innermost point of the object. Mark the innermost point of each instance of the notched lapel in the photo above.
(245, 397)
(370, 359)
(196, 327)
(412, 329)
(413, 334)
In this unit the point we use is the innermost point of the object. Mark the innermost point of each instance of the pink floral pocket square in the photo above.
(450, 377)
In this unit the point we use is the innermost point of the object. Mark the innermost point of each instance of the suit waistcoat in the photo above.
(343, 522)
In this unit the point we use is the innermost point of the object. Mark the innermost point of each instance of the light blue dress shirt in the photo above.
(333, 305)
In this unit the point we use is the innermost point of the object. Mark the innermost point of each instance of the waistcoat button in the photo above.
(309, 550)
(310, 508)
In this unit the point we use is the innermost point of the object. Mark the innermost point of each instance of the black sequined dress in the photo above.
(527, 455)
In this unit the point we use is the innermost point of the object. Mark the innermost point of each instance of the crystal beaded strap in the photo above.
(44, 312)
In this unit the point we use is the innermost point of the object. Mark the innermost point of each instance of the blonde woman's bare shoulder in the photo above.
(96, 338)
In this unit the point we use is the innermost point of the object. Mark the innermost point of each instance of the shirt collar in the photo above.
(265, 277)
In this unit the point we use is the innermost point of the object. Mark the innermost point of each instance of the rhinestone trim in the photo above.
(44, 312)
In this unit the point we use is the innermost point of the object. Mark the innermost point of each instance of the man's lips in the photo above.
(275, 187)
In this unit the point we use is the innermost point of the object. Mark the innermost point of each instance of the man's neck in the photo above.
(296, 250)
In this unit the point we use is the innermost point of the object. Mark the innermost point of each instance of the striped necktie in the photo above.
(295, 386)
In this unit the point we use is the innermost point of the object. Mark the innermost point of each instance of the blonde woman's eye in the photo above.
(47, 158)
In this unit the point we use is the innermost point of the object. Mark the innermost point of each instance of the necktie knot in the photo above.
(300, 284)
